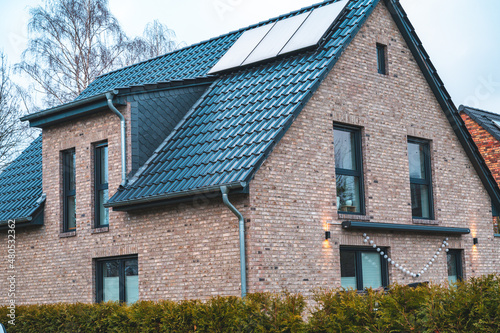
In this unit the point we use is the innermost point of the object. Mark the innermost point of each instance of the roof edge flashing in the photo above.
(56, 114)
(354, 225)
(175, 195)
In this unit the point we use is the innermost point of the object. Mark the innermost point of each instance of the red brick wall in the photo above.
(488, 145)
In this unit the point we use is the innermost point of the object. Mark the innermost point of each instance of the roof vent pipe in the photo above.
(241, 220)
(109, 97)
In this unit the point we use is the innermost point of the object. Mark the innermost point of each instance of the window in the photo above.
(117, 279)
(101, 214)
(420, 179)
(348, 170)
(381, 58)
(69, 191)
(362, 268)
(454, 258)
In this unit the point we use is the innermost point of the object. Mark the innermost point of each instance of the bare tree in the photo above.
(71, 43)
(13, 133)
(157, 39)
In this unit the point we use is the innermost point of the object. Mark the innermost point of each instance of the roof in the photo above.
(21, 184)
(485, 119)
(229, 133)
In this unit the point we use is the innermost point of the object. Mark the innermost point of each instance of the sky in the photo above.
(462, 37)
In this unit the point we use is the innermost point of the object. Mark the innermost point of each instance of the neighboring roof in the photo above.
(484, 118)
(444, 99)
(21, 184)
(229, 133)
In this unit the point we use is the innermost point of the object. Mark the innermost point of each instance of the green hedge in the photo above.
(473, 306)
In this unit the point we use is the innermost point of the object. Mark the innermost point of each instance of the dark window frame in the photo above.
(68, 157)
(428, 175)
(382, 59)
(458, 263)
(99, 275)
(384, 267)
(358, 151)
(98, 186)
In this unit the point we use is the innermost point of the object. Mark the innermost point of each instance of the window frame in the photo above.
(68, 156)
(358, 151)
(99, 275)
(381, 58)
(428, 174)
(458, 263)
(384, 267)
(98, 186)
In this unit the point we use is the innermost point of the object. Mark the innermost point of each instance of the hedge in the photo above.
(472, 306)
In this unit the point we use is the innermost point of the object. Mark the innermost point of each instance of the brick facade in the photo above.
(191, 250)
(488, 145)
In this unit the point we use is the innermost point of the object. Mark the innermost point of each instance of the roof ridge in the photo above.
(465, 107)
(252, 26)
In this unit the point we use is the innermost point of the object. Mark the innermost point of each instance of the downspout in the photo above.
(241, 220)
(109, 97)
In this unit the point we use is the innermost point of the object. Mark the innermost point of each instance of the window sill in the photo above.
(99, 230)
(425, 222)
(353, 217)
(67, 234)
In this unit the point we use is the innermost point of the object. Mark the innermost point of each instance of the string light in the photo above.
(444, 245)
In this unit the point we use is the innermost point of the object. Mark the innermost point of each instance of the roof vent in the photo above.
(281, 37)
(496, 123)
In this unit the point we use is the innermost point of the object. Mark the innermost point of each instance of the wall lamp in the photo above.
(475, 241)
(328, 235)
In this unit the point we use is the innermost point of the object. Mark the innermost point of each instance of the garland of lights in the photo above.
(406, 271)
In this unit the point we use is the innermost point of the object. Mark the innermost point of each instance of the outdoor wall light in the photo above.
(475, 241)
(328, 235)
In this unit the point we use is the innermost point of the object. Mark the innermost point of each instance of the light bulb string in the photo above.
(425, 268)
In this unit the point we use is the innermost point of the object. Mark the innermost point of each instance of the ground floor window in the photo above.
(454, 259)
(117, 279)
(362, 268)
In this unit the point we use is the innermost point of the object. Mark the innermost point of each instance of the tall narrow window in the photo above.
(454, 258)
(420, 179)
(381, 58)
(348, 170)
(362, 268)
(101, 185)
(117, 279)
(69, 191)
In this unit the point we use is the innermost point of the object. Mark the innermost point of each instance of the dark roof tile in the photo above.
(21, 184)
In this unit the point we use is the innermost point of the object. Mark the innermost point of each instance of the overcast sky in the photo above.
(462, 37)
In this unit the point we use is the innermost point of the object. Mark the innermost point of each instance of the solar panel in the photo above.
(315, 27)
(285, 36)
(240, 50)
(276, 39)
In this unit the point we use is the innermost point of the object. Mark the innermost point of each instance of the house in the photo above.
(484, 128)
(316, 149)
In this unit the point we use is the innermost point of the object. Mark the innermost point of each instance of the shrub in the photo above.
(472, 306)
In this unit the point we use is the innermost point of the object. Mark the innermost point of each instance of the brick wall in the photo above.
(188, 250)
(293, 196)
(487, 144)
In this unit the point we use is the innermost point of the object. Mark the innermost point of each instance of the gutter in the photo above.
(66, 106)
(109, 97)
(241, 220)
(173, 195)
